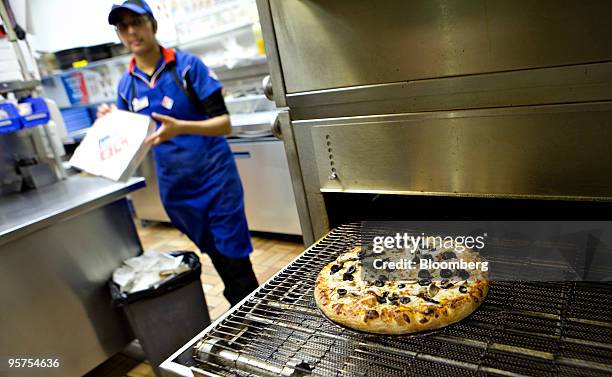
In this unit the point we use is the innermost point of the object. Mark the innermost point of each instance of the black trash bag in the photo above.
(195, 270)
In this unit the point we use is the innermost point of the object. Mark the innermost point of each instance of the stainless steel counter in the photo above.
(58, 248)
(25, 213)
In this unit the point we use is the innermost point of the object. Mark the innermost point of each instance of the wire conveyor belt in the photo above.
(522, 329)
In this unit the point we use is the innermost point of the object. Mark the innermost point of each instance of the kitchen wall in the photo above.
(63, 24)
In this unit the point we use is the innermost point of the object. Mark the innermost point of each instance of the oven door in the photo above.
(554, 152)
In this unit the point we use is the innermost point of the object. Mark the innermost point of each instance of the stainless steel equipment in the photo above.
(38, 140)
(59, 245)
(438, 98)
(268, 198)
(59, 241)
(431, 110)
(147, 202)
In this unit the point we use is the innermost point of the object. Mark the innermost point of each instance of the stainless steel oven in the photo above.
(485, 99)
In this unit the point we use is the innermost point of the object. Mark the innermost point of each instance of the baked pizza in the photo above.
(422, 299)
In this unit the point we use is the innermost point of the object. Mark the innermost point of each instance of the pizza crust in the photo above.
(360, 309)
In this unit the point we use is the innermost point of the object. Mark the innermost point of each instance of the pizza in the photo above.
(423, 299)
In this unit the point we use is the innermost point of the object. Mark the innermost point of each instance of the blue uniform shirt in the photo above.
(184, 63)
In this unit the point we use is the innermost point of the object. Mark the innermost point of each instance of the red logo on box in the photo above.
(111, 146)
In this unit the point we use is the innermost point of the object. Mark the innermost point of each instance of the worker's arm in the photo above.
(217, 126)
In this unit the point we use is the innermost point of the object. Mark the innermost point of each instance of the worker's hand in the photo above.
(169, 128)
(104, 109)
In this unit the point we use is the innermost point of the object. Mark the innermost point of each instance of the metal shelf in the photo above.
(255, 67)
(18, 86)
(218, 8)
(252, 97)
(221, 33)
(97, 103)
(119, 59)
(261, 118)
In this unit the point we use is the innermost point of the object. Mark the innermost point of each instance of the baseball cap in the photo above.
(136, 6)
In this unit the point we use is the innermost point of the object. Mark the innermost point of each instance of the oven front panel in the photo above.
(542, 152)
(552, 152)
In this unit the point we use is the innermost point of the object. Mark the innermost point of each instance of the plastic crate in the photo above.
(39, 115)
(10, 121)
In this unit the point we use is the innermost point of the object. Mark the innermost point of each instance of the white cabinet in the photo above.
(268, 194)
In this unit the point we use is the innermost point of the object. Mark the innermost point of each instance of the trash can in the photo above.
(168, 315)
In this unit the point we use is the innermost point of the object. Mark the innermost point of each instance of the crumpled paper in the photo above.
(143, 272)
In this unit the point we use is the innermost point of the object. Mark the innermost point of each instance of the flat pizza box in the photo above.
(115, 145)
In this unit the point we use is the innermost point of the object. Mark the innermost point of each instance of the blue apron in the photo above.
(198, 180)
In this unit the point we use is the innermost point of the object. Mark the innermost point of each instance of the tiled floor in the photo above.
(270, 254)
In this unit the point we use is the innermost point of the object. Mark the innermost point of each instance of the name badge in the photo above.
(140, 103)
(167, 103)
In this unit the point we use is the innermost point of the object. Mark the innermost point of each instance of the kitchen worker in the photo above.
(198, 180)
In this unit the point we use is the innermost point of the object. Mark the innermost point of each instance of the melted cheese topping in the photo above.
(370, 295)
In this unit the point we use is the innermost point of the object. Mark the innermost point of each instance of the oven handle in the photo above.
(276, 128)
(267, 87)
